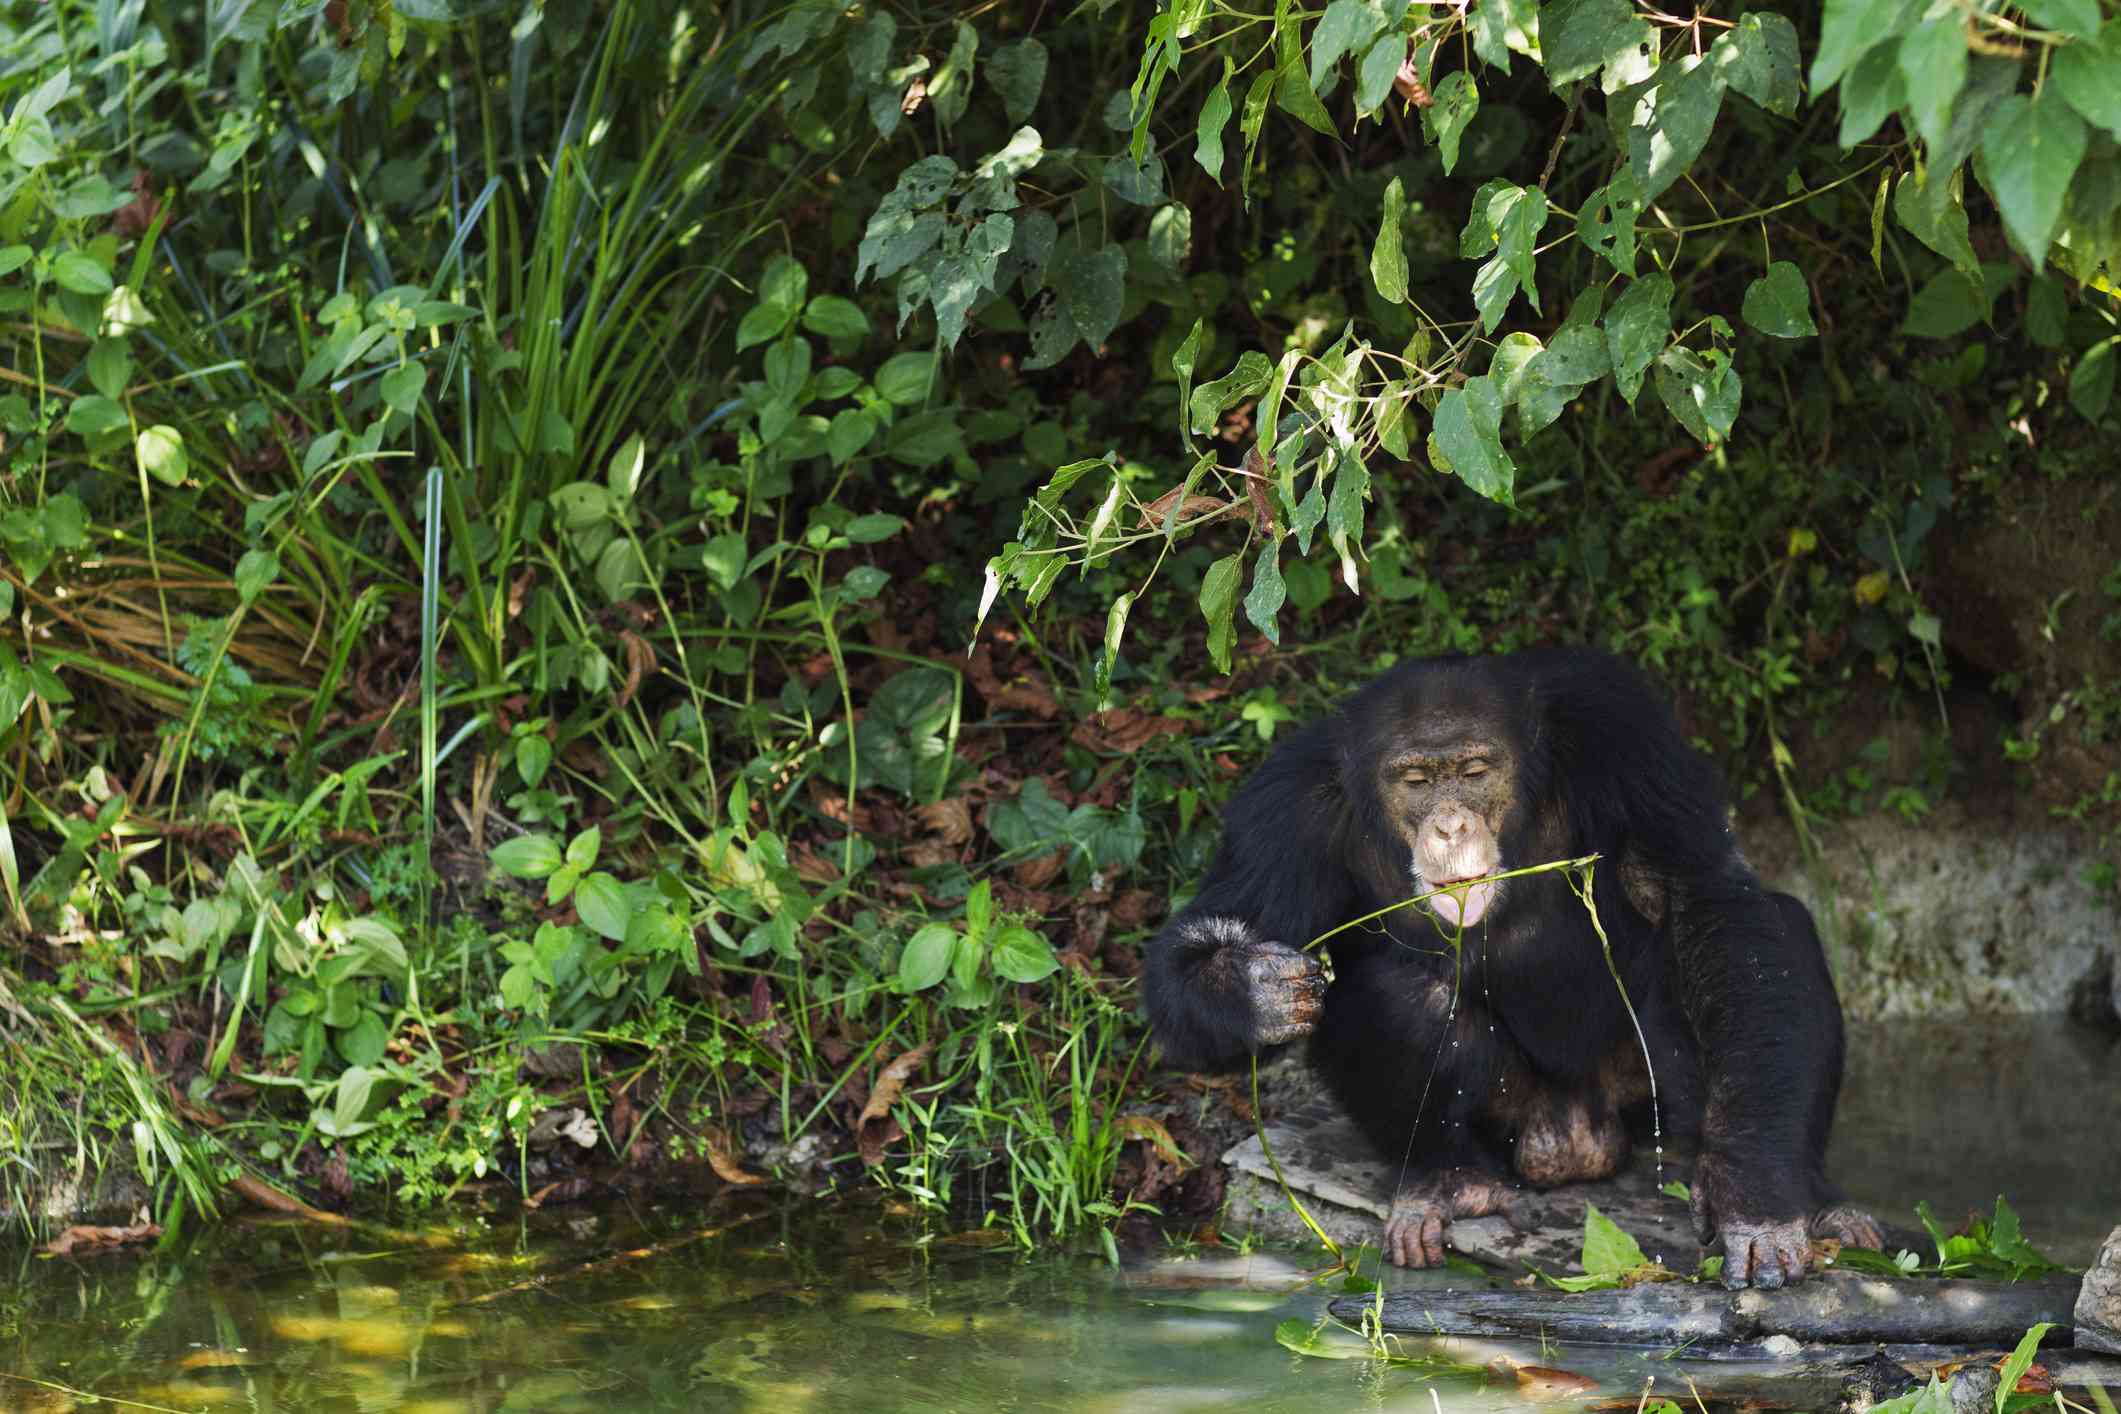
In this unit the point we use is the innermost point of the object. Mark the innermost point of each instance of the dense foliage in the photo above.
(494, 502)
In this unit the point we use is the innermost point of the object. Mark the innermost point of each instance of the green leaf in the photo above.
(1294, 95)
(1388, 257)
(1681, 106)
(1092, 286)
(2072, 17)
(1453, 105)
(2088, 73)
(1263, 603)
(1507, 219)
(82, 273)
(1758, 58)
(724, 557)
(110, 367)
(851, 430)
(14, 257)
(925, 438)
(835, 317)
(1115, 629)
(1171, 237)
(1248, 379)
(926, 958)
(254, 572)
(2046, 312)
(1018, 73)
(2021, 1359)
(1021, 955)
(2033, 147)
(527, 856)
(1607, 1251)
(601, 901)
(1218, 605)
(1869, 92)
(1636, 328)
(2091, 382)
(1701, 391)
(1346, 28)
(1579, 37)
(1932, 63)
(1380, 67)
(1468, 430)
(761, 323)
(1939, 224)
(1500, 27)
(1606, 221)
(160, 450)
(1214, 117)
(1780, 303)
(402, 385)
(876, 526)
(1850, 29)
(906, 378)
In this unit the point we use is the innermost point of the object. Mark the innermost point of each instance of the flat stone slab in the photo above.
(1332, 1171)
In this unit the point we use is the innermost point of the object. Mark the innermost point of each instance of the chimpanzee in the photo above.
(1480, 1039)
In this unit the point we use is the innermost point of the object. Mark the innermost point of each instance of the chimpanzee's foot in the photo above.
(1423, 1208)
(1852, 1227)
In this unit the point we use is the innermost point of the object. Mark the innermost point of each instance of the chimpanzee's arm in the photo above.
(1757, 991)
(1225, 976)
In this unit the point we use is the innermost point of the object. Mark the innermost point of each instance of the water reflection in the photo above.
(793, 1307)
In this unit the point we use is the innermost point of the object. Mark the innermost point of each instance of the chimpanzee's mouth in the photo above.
(1467, 899)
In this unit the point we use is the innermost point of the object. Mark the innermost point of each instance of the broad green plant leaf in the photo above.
(601, 901)
(1608, 1251)
(1850, 29)
(2088, 72)
(2032, 148)
(1018, 73)
(527, 856)
(1021, 955)
(1454, 103)
(1780, 303)
(1758, 58)
(1702, 391)
(1268, 593)
(1218, 605)
(1214, 117)
(1468, 431)
(1388, 257)
(1636, 329)
(1580, 37)
(1671, 121)
(160, 450)
(1932, 62)
(926, 958)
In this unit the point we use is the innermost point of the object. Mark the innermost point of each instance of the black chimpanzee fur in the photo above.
(1464, 1062)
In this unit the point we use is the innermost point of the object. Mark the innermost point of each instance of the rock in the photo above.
(1331, 1170)
(2098, 1313)
(1946, 915)
(2095, 1000)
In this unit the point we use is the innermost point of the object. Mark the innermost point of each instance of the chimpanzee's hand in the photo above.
(1761, 1251)
(1286, 988)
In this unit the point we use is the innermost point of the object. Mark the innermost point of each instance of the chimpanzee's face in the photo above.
(1447, 785)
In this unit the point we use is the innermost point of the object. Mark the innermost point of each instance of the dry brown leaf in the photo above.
(948, 820)
(721, 1157)
(1037, 873)
(875, 1128)
(640, 661)
(812, 866)
(1151, 1130)
(1196, 506)
(1027, 692)
(1123, 731)
(84, 1238)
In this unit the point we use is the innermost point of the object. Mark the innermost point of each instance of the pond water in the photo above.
(786, 1305)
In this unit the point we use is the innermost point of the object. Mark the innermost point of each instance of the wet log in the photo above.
(1834, 1308)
